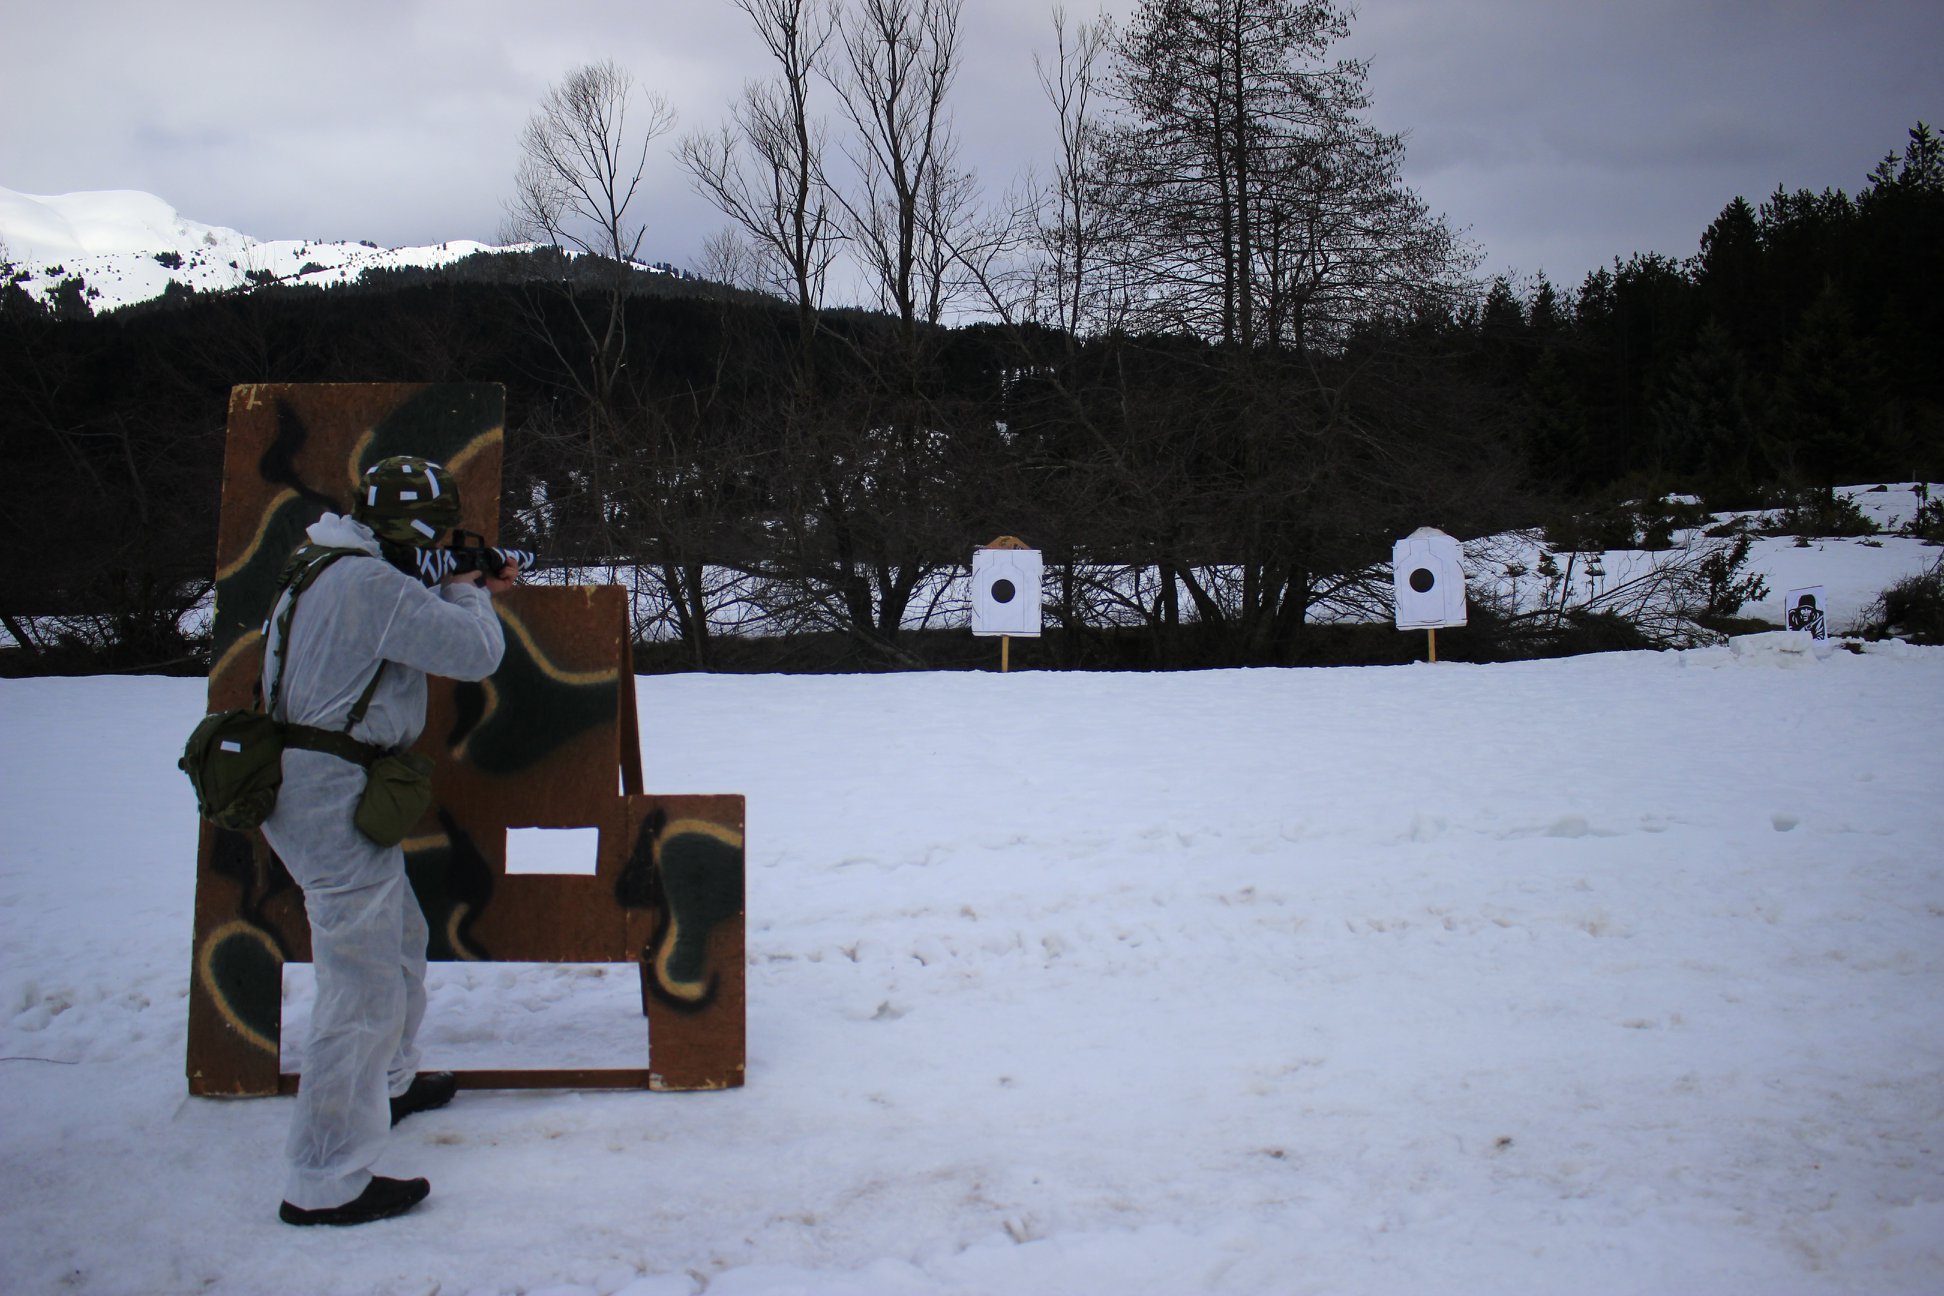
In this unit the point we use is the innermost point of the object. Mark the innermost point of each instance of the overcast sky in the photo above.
(1559, 133)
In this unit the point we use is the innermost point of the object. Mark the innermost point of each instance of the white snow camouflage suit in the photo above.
(368, 934)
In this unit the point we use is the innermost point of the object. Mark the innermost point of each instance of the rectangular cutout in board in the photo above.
(573, 852)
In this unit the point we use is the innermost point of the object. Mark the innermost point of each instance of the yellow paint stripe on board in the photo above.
(551, 671)
(474, 448)
(453, 943)
(701, 827)
(207, 974)
(245, 641)
(486, 710)
(687, 991)
(425, 842)
(243, 559)
(351, 461)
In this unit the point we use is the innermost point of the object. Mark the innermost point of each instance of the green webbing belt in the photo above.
(341, 745)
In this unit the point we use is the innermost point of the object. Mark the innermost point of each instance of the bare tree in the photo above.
(1254, 203)
(860, 453)
(764, 168)
(1070, 224)
(642, 487)
(581, 168)
(900, 58)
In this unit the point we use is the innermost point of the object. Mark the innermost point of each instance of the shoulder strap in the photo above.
(364, 699)
(303, 569)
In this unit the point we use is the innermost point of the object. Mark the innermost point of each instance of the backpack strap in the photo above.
(305, 566)
(364, 699)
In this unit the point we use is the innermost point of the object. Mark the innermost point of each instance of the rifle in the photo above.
(470, 552)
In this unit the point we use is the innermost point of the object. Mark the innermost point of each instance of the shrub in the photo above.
(1596, 531)
(1820, 513)
(1912, 609)
(169, 260)
(1735, 526)
(1728, 586)
(1647, 524)
(1928, 522)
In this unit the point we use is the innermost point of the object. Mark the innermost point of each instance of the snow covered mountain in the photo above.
(128, 246)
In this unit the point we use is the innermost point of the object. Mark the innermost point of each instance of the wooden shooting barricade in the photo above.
(550, 740)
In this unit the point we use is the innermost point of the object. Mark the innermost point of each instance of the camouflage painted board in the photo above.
(550, 740)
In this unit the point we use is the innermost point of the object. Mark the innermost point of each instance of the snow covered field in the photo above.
(1621, 973)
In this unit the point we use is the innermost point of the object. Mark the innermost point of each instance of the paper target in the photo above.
(1006, 592)
(1807, 609)
(1428, 574)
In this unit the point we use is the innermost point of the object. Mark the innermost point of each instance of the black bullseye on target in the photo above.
(1423, 579)
(1003, 591)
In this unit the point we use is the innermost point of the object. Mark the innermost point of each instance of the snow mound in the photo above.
(1784, 648)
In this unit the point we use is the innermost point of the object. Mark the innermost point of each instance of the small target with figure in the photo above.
(1805, 610)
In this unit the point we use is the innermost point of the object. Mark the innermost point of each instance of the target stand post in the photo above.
(1433, 634)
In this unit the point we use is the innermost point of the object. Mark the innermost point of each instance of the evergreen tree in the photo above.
(1705, 417)
(69, 300)
(1730, 275)
(1831, 395)
(1555, 420)
(1547, 316)
(1503, 336)
(1898, 298)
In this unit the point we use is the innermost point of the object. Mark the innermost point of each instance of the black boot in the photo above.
(429, 1089)
(381, 1199)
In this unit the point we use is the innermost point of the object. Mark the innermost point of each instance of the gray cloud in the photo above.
(1565, 135)
(1560, 134)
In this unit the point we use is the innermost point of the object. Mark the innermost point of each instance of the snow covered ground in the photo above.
(1622, 973)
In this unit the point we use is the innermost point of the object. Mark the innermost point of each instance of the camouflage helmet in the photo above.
(407, 500)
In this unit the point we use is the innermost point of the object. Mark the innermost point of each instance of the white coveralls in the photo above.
(367, 932)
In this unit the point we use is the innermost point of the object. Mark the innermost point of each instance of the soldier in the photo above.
(354, 652)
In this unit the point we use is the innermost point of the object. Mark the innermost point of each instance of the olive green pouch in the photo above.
(398, 789)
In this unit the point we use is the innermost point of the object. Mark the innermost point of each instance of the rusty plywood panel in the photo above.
(550, 740)
(683, 891)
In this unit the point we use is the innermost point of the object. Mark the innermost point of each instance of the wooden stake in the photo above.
(1005, 653)
(1433, 632)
